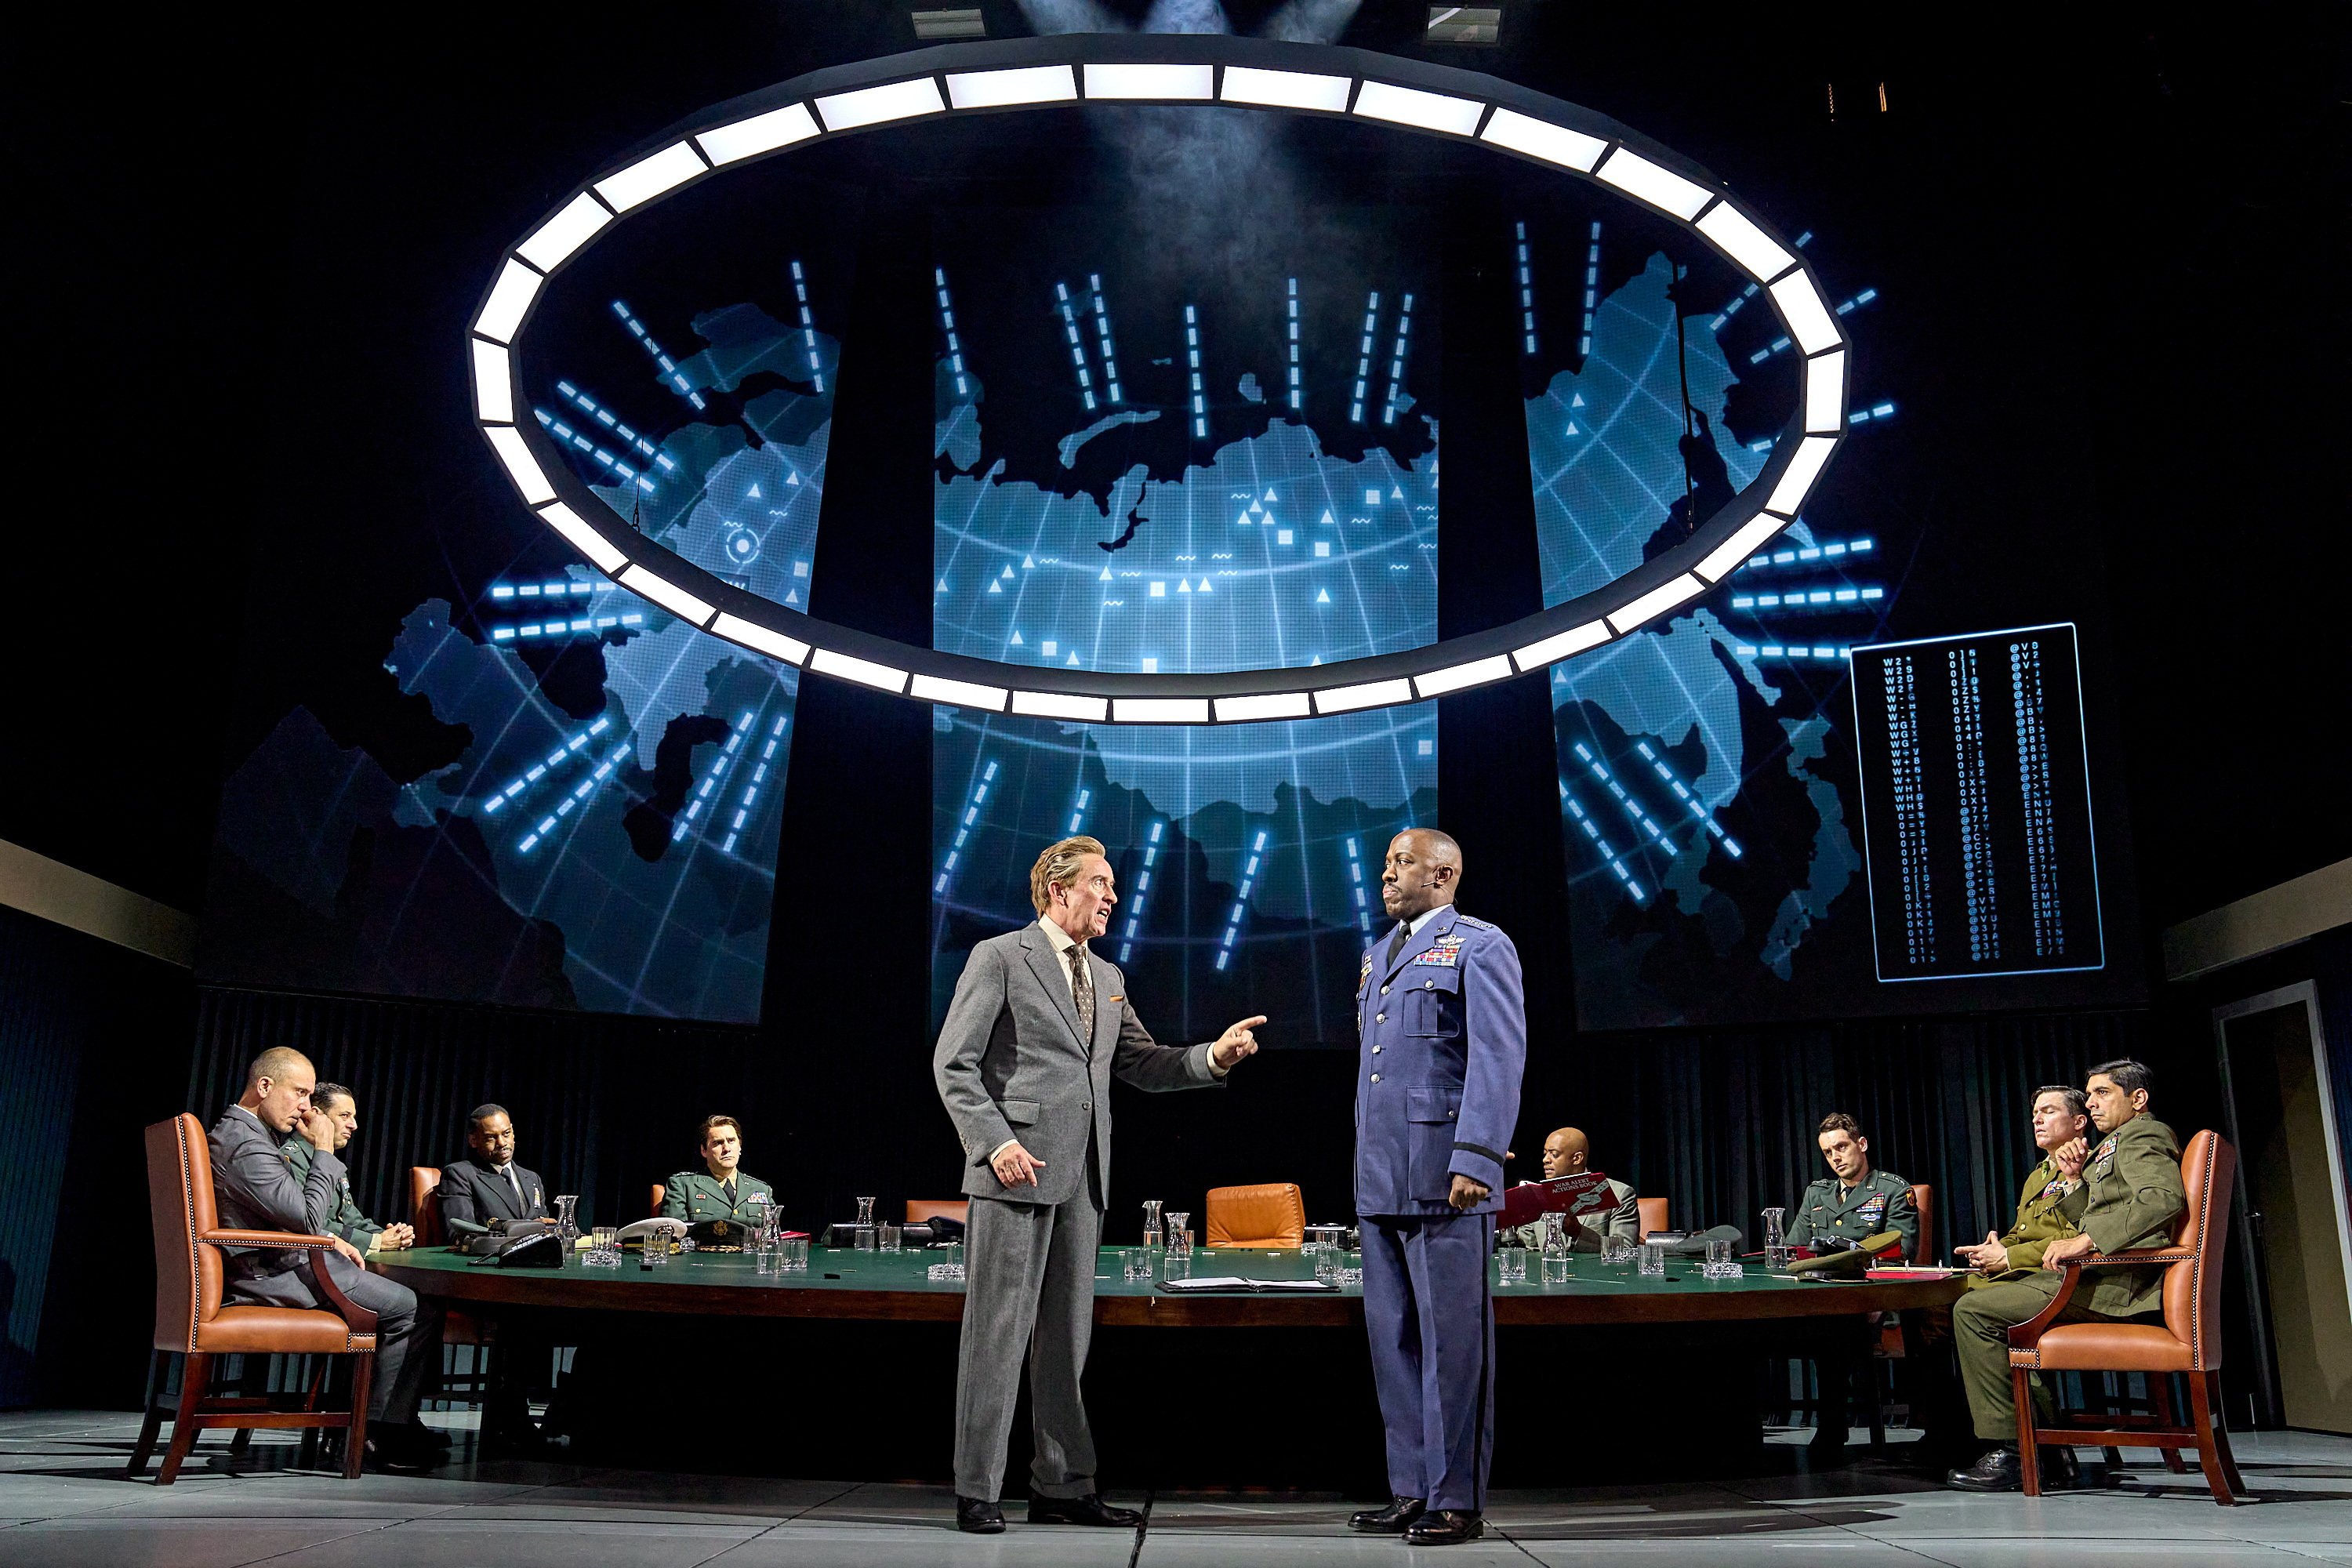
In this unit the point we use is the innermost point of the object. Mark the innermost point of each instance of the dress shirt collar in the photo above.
(1423, 919)
(1063, 941)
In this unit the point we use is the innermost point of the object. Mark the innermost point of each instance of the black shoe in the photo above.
(1087, 1509)
(1997, 1471)
(1394, 1520)
(1446, 1526)
(419, 1435)
(392, 1453)
(978, 1516)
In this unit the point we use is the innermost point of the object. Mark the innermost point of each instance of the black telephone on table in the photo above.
(529, 1244)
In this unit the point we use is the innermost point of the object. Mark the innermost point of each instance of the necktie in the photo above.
(1396, 947)
(1082, 991)
(517, 1185)
(728, 1187)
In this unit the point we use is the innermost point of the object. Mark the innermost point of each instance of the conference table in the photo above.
(1673, 1359)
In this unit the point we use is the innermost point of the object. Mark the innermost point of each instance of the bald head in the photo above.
(1423, 870)
(277, 1086)
(1566, 1153)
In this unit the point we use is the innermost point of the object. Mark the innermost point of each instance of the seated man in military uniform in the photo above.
(721, 1192)
(2061, 1119)
(2128, 1196)
(1841, 1210)
(342, 1107)
(1565, 1153)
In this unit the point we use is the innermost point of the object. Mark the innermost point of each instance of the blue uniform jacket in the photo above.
(1437, 1081)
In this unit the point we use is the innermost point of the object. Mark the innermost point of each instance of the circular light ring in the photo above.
(1215, 72)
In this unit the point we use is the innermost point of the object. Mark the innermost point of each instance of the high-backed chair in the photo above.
(1891, 1344)
(2187, 1341)
(1654, 1214)
(654, 1203)
(1923, 1204)
(956, 1209)
(457, 1327)
(1271, 1215)
(191, 1320)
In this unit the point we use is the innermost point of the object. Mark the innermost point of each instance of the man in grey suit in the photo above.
(254, 1188)
(1038, 1028)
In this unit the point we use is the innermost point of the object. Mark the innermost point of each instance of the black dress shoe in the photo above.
(1394, 1520)
(1446, 1526)
(978, 1516)
(392, 1453)
(421, 1435)
(1087, 1509)
(2059, 1471)
(1997, 1471)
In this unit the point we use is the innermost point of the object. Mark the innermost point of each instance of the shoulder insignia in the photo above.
(1475, 923)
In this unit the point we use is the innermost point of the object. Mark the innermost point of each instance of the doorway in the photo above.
(2294, 1229)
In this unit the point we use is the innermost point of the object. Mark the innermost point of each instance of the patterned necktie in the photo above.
(1082, 990)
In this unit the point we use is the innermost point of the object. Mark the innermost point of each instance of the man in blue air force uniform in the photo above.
(1437, 1093)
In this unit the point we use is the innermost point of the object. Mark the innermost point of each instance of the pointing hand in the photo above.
(1235, 1043)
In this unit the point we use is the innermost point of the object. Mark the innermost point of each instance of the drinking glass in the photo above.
(1511, 1265)
(893, 1238)
(791, 1253)
(1136, 1263)
(865, 1234)
(950, 1268)
(656, 1254)
(1654, 1258)
(1175, 1265)
(1617, 1251)
(1718, 1249)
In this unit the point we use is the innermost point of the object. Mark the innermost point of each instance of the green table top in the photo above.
(868, 1283)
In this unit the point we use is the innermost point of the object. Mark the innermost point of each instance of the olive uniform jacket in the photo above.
(1880, 1201)
(2131, 1193)
(697, 1196)
(345, 1219)
(2039, 1221)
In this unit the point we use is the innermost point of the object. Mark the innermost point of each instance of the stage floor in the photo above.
(62, 1502)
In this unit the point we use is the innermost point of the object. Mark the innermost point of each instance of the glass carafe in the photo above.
(1151, 1222)
(567, 1219)
(1776, 1238)
(1555, 1249)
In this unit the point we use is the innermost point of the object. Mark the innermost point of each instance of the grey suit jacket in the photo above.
(254, 1188)
(1010, 1064)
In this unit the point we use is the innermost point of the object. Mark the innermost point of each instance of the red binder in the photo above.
(1582, 1193)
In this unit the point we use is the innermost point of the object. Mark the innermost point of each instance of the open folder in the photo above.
(1235, 1282)
(1575, 1195)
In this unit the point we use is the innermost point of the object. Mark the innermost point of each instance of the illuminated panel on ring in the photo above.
(1286, 90)
(1152, 81)
(758, 638)
(564, 233)
(1542, 139)
(865, 671)
(1002, 89)
(760, 133)
(880, 105)
(1423, 110)
(641, 180)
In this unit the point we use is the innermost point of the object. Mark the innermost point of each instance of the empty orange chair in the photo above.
(1654, 1214)
(920, 1209)
(654, 1203)
(1273, 1215)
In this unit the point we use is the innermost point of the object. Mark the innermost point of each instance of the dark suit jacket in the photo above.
(254, 1188)
(478, 1194)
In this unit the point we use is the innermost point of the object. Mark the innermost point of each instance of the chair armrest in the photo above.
(2026, 1335)
(293, 1239)
(359, 1319)
(2153, 1255)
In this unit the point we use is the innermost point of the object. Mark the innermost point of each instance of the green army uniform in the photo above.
(346, 1221)
(1881, 1201)
(2130, 1194)
(2040, 1220)
(695, 1196)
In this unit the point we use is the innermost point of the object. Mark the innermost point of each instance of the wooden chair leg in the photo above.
(2212, 1443)
(355, 1435)
(2029, 1456)
(2161, 1411)
(154, 1422)
(196, 1373)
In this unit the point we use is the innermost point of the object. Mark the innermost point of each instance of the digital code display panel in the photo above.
(1977, 806)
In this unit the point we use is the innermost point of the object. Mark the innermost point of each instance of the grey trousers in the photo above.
(407, 1332)
(1029, 1285)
